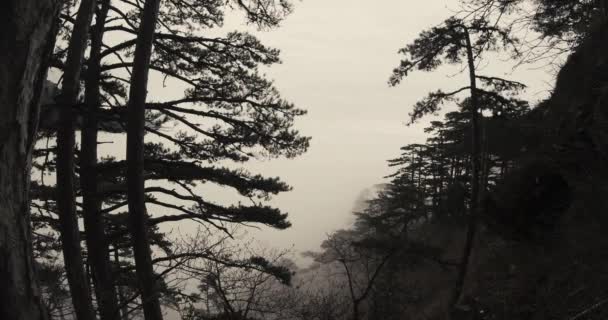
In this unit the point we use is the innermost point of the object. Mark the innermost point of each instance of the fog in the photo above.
(337, 57)
(336, 60)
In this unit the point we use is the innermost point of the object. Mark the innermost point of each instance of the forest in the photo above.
(109, 205)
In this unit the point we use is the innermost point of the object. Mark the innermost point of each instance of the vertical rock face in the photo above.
(570, 157)
(27, 30)
(578, 108)
(543, 254)
(561, 271)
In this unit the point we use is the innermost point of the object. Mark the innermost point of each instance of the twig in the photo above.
(588, 310)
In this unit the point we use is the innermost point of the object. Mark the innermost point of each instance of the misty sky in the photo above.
(337, 57)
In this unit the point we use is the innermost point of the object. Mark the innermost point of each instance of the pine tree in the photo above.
(554, 28)
(230, 113)
(456, 41)
(138, 217)
(66, 140)
(94, 224)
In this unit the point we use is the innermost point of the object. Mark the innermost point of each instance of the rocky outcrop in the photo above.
(544, 256)
(542, 251)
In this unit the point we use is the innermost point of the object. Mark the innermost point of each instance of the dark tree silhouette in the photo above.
(228, 112)
(66, 140)
(138, 217)
(27, 37)
(94, 224)
(554, 27)
(453, 41)
(362, 265)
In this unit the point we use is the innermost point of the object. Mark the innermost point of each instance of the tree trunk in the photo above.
(68, 221)
(138, 216)
(97, 242)
(475, 168)
(122, 301)
(27, 37)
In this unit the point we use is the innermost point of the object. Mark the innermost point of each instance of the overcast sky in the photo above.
(337, 57)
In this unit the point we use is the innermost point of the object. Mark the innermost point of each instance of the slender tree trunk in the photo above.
(27, 38)
(70, 234)
(122, 301)
(94, 225)
(475, 168)
(138, 216)
(485, 157)
(443, 169)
